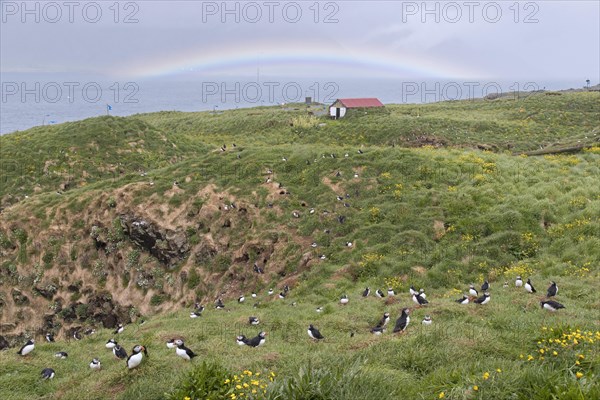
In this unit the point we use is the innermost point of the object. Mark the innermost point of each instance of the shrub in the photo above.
(193, 279)
(157, 300)
(203, 382)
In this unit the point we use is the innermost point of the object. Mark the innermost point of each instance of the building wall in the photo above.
(332, 111)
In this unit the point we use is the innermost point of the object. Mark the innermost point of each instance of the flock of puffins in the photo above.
(138, 352)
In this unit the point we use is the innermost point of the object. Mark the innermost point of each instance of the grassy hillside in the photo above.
(433, 211)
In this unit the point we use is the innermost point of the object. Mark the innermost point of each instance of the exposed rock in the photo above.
(19, 298)
(166, 245)
(206, 250)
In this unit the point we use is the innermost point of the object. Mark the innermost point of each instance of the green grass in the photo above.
(436, 217)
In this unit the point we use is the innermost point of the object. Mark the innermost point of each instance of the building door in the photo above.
(337, 113)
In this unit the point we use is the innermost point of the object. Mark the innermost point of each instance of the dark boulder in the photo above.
(168, 246)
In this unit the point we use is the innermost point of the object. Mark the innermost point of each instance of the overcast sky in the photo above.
(541, 40)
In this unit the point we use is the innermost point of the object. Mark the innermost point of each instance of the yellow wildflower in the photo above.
(498, 370)
(579, 375)
(529, 357)
(238, 386)
(441, 395)
(475, 388)
(486, 376)
(581, 356)
(554, 353)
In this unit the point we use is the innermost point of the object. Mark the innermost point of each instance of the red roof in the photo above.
(361, 103)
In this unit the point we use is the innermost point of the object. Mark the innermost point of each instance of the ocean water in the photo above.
(31, 100)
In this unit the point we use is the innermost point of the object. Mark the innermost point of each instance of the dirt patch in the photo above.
(333, 186)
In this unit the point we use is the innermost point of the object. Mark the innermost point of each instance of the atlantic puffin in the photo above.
(241, 340)
(48, 373)
(314, 333)
(258, 340)
(110, 343)
(183, 351)
(49, 337)
(136, 356)
(391, 292)
(419, 300)
(61, 354)
(344, 300)
(27, 348)
(195, 314)
(253, 321)
(472, 291)
(366, 292)
(422, 293)
(384, 320)
(483, 299)
(119, 352)
(463, 300)
(378, 330)
(529, 286)
(241, 299)
(412, 290)
(518, 282)
(379, 293)
(551, 305)
(171, 344)
(485, 286)
(552, 289)
(219, 305)
(427, 320)
(120, 329)
(403, 321)
(95, 364)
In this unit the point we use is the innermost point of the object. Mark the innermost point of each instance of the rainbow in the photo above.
(293, 57)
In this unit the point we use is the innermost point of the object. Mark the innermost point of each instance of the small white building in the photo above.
(339, 107)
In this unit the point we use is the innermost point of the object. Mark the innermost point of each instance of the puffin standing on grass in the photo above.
(472, 291)
(485, 286)
(344, 300)
(427, 320)
(258, 340)
(518, 282)
(552, 290)
(419, 300)
(529, 286)
(241, 340)
(379, 293)
(383, 321)
(183, 351)
(120, 329)
(366, 292)
(49, 337)
(463, 300)
(551, 305)
(27, 348)
(219, 305)
(95, 364)
(119, 352)
(314, 333)
(378, 330)
(253, 320)
(48, 373)
(483, 299)
(136, 356)
(110, 343)
(403, 321)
